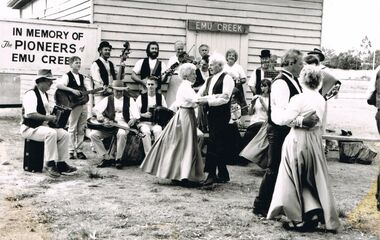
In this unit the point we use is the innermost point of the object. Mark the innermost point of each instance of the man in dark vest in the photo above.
(283, 88)
(117, 108)
(146, 102)
(34, 126)
(257, 75)
(74, 82)
(103, 71)
(216, 94)
(149, 66)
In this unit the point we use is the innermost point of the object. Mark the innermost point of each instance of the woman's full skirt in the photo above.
(303, 183)
(176, 155)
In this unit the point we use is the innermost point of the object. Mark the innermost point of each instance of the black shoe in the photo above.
(80, 155)
(222, 179)
(72, 156)
(106, 163)
(51, 169)
(65, 168)
(209, 180)
(118, 164)
(260, 212)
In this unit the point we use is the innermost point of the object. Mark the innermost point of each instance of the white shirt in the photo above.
(279, 97)
(236, 70)
(252, 80)
(151, 102)
(133, 111)
(260, 115)
(29, 102)
(302, 104)
(152, 64)
(95, 73)
(228, 86)
(186, 96)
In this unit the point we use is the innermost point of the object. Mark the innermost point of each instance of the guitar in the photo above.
(69, 99)
(110, 127)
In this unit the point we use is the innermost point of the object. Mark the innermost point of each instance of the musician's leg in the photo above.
(48, 136)
(157, 130)
(81, 126)
(121, 141)
(96, 138)
(73, 123)
(63, 140)
(147, 140)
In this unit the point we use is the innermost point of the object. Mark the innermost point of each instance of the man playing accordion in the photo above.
(146, 103)
(35, 107)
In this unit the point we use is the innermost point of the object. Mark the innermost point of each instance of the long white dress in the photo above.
(303, 183)
(176, 154)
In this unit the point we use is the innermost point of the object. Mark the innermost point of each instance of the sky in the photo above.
(344, 23)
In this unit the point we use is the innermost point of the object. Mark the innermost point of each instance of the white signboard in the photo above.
(26, 46)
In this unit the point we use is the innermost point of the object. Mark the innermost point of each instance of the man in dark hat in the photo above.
(317, 52)
(149, 66)
(102, 70)
(254, 82)
(35, 114)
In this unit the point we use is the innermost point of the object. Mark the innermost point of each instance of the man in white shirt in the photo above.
(103, 71)
(117, 108)
(179, 47)
(146, 102)
(36, 115)
(219, 114)
(283, 88)
(149, 66)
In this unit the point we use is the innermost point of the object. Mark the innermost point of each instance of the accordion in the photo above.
(271, 74)
(62, 114)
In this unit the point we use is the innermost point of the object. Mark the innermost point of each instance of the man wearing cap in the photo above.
(257, 75)
(117, 108)
(35, 114)
(103, 71)
(149, 66)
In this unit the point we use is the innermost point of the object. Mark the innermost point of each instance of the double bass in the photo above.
(120, 75)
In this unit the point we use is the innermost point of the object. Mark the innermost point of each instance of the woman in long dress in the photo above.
(302, 190)
(176, 154)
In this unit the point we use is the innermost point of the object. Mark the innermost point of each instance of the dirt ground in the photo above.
(129, 204)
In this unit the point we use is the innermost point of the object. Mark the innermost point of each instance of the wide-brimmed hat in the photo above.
(103, 45)
(265, 53)
(44, 74)
(118, 85)
(317, 52)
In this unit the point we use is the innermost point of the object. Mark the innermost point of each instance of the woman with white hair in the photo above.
(303, 192)
(176, 154)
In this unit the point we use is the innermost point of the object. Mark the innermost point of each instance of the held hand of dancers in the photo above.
(310, 120)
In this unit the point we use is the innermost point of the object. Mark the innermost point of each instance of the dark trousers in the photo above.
(241, 99)
(251, 132)
(217, 150)
(276, 137)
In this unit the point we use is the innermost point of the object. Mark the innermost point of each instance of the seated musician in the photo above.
(118, 108)
(145, 102)
(73, 82)
(34, 126)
